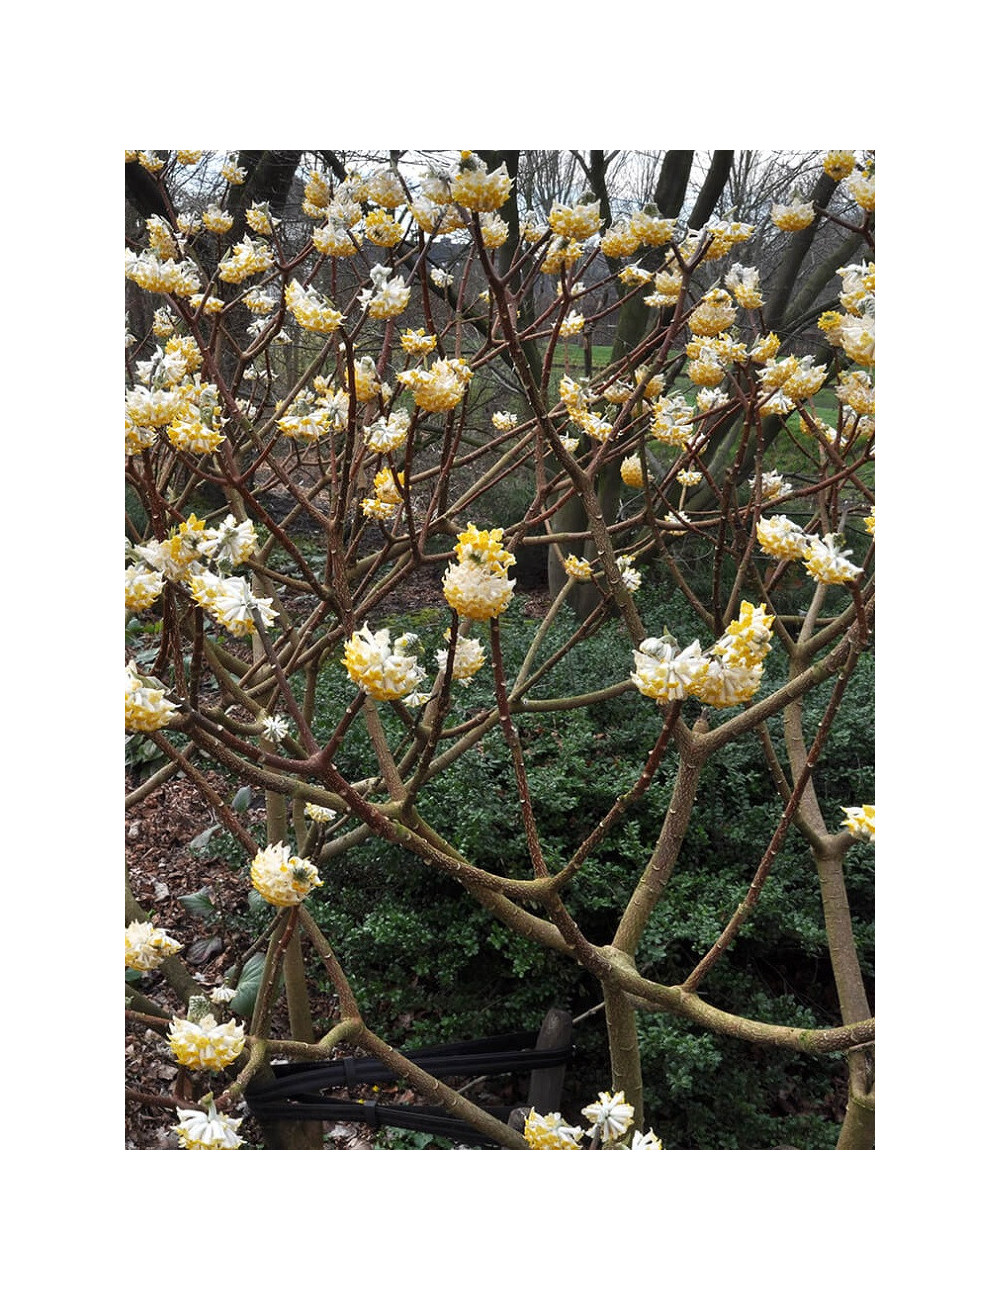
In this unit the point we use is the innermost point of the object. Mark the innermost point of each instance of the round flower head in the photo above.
(476, 188)
(494, 230)
(724, 684)
(781, 538)
(310, 309)
(575, 221)
(146, 705)
(504, 421)
(573, 324)
(382, 229)
(384, 671)
(203, 1044)
(317, 813)
(551, 1133)
(862, 189)
(439, 389)
(334, 240)
(667, 289)
(274, 728)
(861, 822)
(796, 215)
(713, 314)
(230, 543)
(663, 672)
(188, 433)
(216, 220)
(477, 591)
(610, 1116)
(578, 568)
(620, 240)
(631, 471)
(747, 639)
(384, 188)
(743, 282)
(689, 477)
(646, 1142)
(142, 587)
(146, 946)
(233, 604)
(469, 658)
(417, 343)
(650, 228)
(839, 163)
(207, 1131)
(281, 879)
(826, 561)
(387, 433)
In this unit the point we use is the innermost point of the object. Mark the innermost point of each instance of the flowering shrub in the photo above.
(327, 397)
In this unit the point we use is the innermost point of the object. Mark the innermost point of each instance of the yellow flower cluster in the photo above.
(216, 220)
(204, 1045)
(713, 314)
(231, 602)
(724, 236)
(248, 257)
(260, 220)
(861, 822)
(384, 188)
(494, 230)
(389, 297)
(575, 221)
(387, 495)
(416, 343)
(439, 389)
(477, 586)
(561, 255)
(142, 587)
(316, 198)
(159, 275)
(826, 561)
(146, 705)
(862, 188)
(476, 188)
(631, 471)
(672, 421)
(382, 228)
(743, 282)
(839, 163)
(578, 568)
(383, 670)
(551, 1133)
(667, 288)
(310, 309)
(207, 1130)
(367, 384)
(387, 432)
(468, 659)
(728, 673)
(796, 215)
(282, 879)
(334, 240)
(306, 425)
(146, 946)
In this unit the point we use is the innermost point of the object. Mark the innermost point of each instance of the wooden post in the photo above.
(545, 1088)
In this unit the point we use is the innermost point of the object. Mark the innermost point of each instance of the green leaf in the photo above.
(201, 842)
(248, 987)
(241, 799)
(198, 904)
